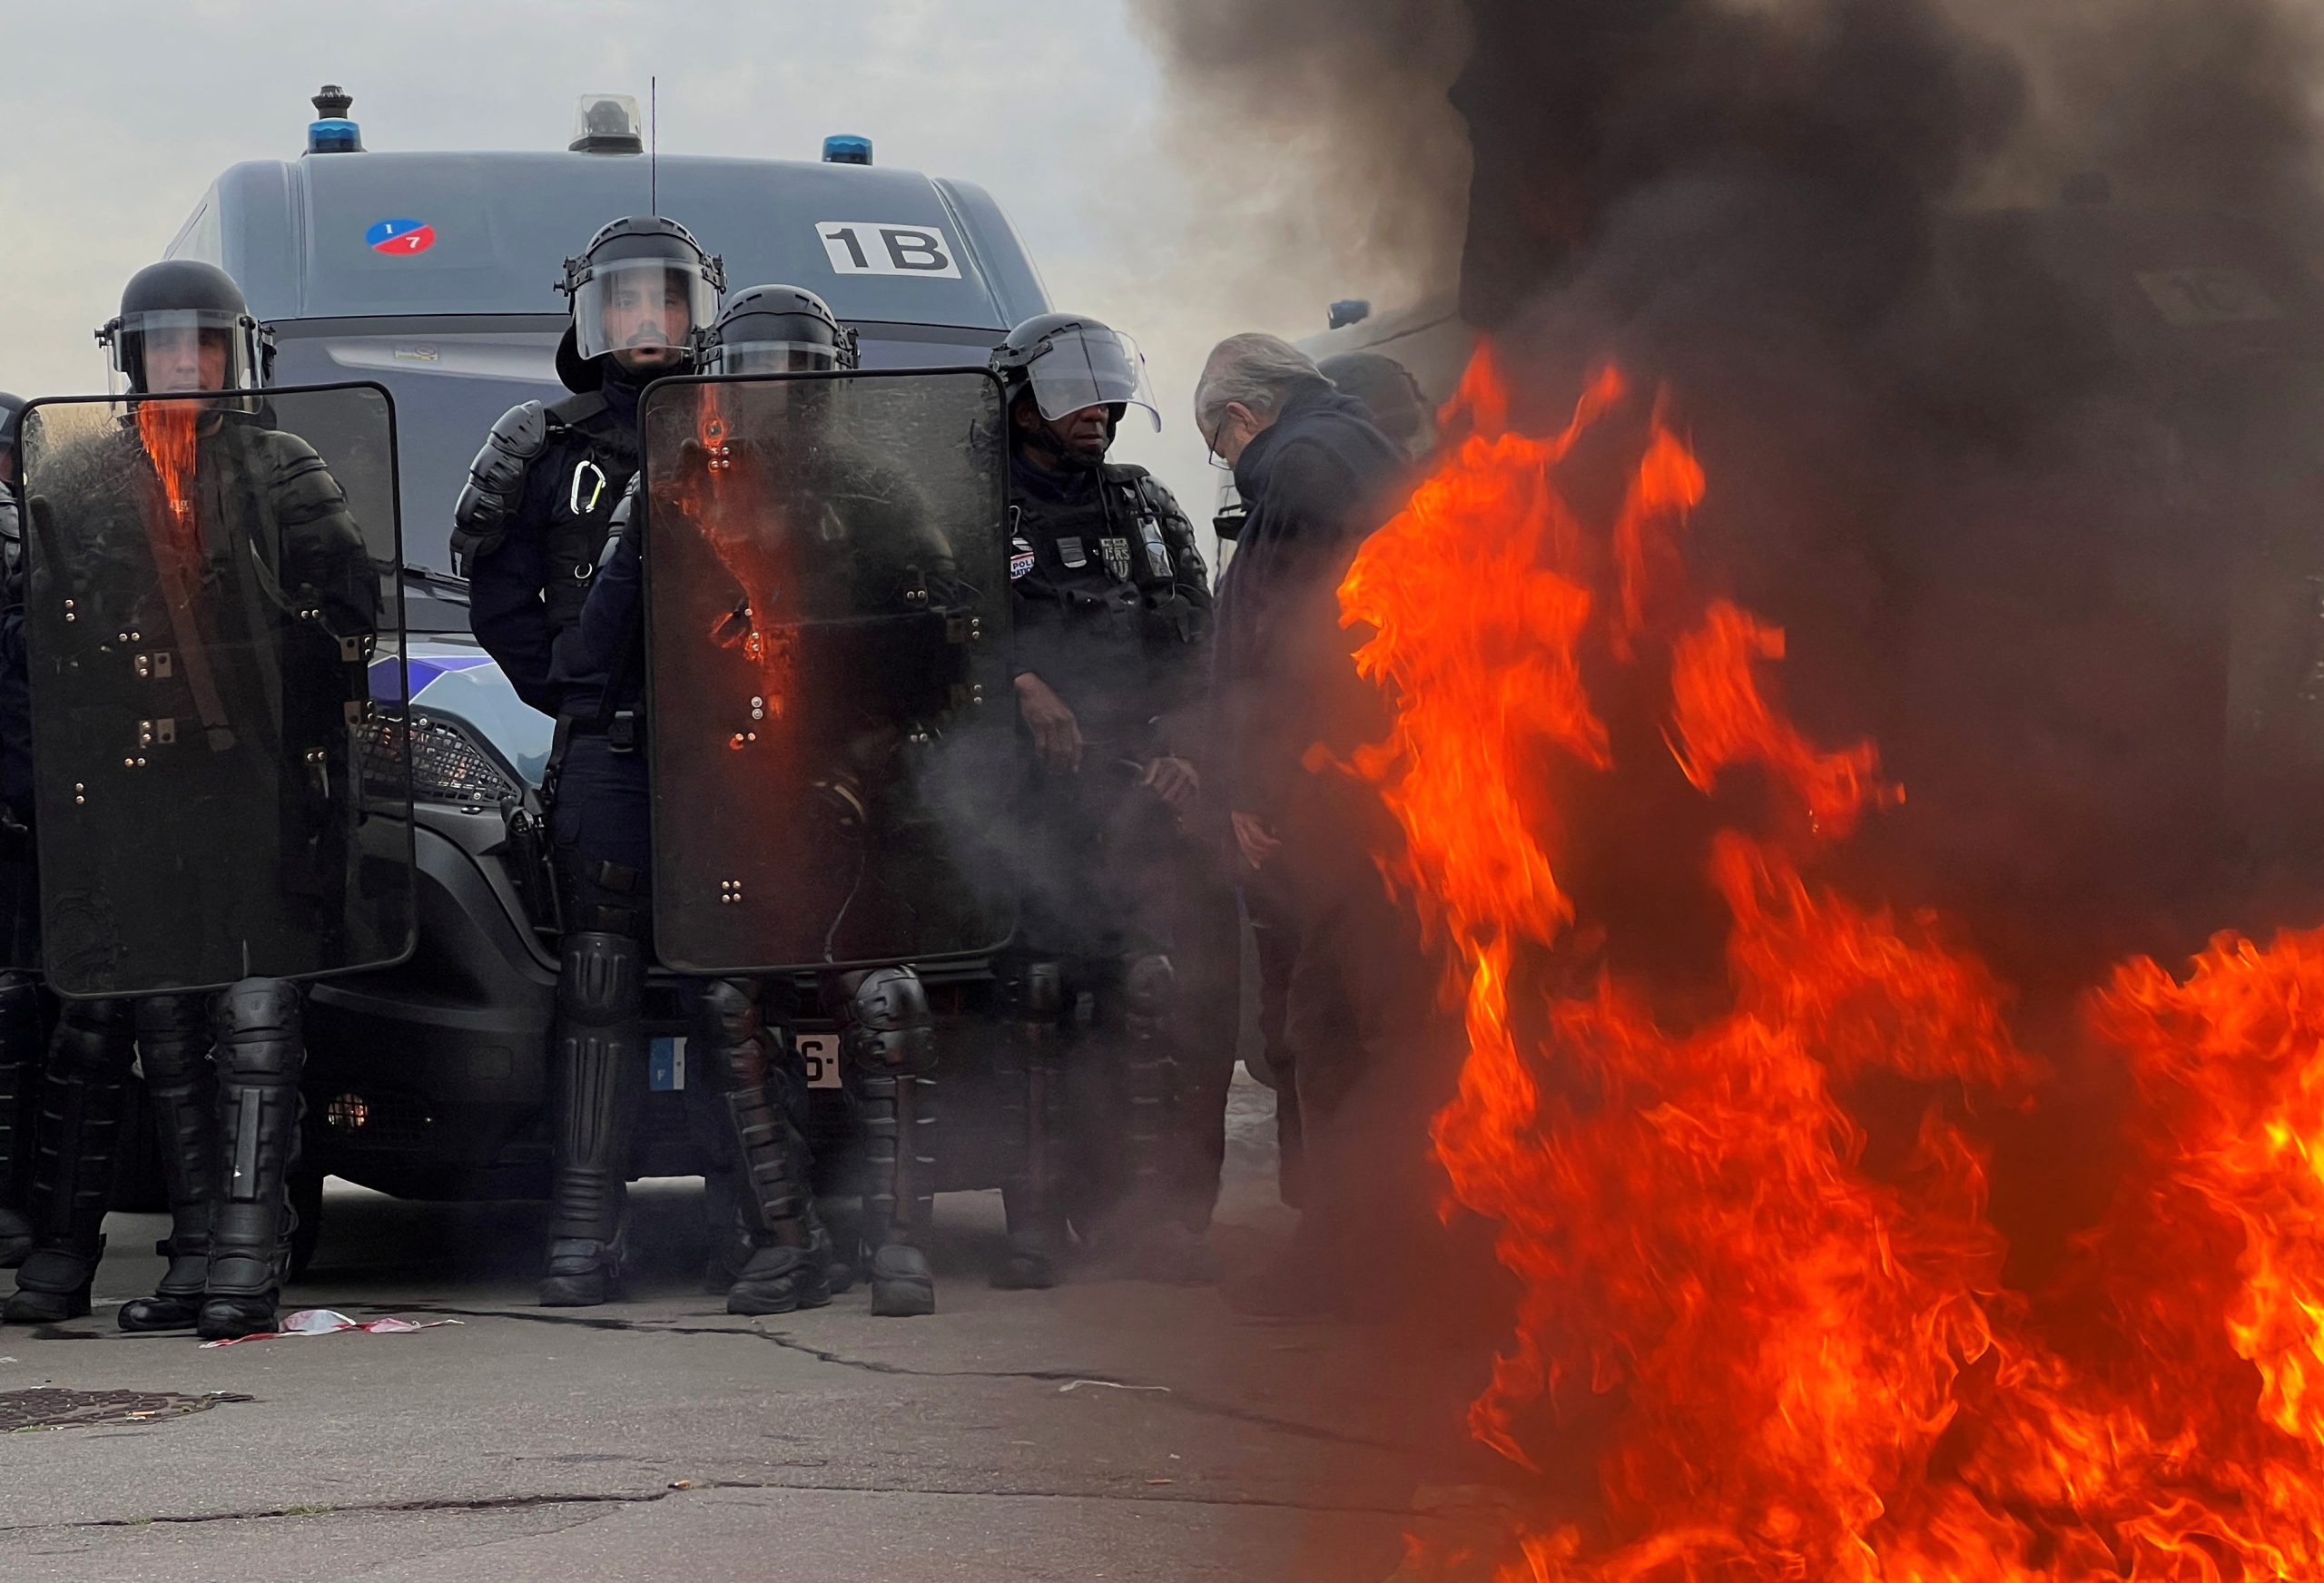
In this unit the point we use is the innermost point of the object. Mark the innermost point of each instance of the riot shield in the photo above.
(827, 673)
(214, 627)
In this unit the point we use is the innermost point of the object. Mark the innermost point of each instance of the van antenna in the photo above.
(653, 145)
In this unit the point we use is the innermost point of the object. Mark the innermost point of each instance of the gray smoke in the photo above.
(1321, 130)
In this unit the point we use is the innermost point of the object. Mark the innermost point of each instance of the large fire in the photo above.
(1792, 1356)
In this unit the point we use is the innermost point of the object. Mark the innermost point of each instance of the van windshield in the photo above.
(451, 383)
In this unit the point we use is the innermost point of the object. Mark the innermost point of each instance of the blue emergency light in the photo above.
(847, 149)
(334, 134)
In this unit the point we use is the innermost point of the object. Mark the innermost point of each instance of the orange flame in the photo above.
(168, 431)
(727, 507)
(1806, 1365)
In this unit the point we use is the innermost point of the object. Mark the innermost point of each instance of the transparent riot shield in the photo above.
(213, 624)
(826, 618)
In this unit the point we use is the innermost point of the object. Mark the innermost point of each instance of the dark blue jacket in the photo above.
(1318, 481)
(532, 585)
(611, 629)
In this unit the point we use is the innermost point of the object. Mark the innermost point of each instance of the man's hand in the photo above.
(1174, 781)
(1251, 835)
(1057, 735)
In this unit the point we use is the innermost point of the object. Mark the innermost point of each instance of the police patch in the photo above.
(1117, 553)
(1020, 555)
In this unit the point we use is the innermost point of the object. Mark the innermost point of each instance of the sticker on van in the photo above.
(880, 247)
(401, 236)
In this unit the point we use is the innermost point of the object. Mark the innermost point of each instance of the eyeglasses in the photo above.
(1210, 444)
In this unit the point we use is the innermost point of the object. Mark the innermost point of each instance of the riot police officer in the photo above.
(240, 543)
(531, 528)
(1112, 604)
(888, 1039)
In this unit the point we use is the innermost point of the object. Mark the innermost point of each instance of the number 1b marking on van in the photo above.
(876, 247)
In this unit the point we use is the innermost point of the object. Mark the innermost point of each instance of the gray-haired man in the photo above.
(1319, 477)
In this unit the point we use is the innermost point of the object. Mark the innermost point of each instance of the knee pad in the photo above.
(728, 1026)
(601, 981)
(172, 1039)
(888, 1020)
(258, 1031)
(93, 1036)
(727, 1011)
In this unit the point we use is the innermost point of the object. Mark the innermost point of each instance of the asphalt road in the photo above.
(1116, 1428)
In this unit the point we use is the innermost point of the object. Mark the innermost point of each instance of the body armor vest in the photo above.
(590, 459)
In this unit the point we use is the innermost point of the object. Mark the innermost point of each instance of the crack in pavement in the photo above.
(699, 1486)
(1170, 1394)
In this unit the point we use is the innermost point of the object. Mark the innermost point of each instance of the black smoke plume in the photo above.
(1993, 326)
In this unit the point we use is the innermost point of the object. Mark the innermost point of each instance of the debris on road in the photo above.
(311, 1321)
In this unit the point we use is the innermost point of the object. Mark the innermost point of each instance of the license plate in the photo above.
(665, 1069)
(819, 1052)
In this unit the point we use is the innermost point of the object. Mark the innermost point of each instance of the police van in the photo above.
(433, 274)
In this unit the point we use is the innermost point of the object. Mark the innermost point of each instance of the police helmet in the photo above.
(631, 265)
(776, 329)
(1070, 361)
(184, 326)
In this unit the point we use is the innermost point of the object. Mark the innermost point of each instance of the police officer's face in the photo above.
(1088, 434)
(647, 315)
(185, 359)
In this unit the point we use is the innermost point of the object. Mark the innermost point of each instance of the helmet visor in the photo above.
(1083, 367)
(773, 356)
(167, 350)
(637, 304)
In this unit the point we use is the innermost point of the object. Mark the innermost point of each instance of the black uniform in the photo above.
(868, 529)
(268, 532)
(1112, 606)
(533, 552)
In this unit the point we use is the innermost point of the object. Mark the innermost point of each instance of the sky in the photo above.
(122, 112)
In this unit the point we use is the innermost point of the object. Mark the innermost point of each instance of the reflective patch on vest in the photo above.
(1021, 556)
(1117, 553)
(1157, 554)
(1070, 552)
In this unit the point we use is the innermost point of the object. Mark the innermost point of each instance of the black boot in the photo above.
(600, 1052)
(21, 1049)
(1032, 1089)
(173, 1038)
(83, 1101)
(889, 1043)
(784, 1269)
(259, 1054)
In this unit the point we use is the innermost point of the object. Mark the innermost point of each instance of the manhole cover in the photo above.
(48, 1408)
